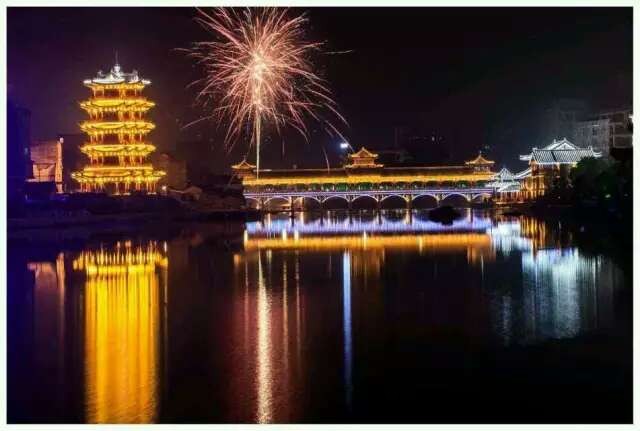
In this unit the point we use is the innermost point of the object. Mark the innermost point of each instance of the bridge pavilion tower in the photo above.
(117, 145)
(480, 164)
(363, 159)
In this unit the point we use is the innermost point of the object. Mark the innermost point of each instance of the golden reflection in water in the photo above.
(264, 350)
(122, 328)
(441, 242)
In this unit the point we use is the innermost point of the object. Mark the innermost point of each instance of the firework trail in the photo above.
(258, 71)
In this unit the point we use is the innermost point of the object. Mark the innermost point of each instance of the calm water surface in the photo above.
(363, 318)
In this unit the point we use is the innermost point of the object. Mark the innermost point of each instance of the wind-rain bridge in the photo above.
(363, 178)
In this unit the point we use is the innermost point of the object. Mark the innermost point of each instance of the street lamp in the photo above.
(345, 145)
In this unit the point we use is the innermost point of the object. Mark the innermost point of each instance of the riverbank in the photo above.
(83, 226)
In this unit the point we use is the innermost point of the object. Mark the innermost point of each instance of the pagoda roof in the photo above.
(117, 76)
(479, 161)
(243, 165)
(559, 152)
(363, 153)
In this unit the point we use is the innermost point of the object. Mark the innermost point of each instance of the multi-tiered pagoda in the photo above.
(117, 130)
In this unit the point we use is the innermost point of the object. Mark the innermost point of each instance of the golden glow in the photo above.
(122, 86)
(374, 178)
(122, 301)
(118, 150)
(105, 103)
(117, 168)
(117, 164)
(368, 241)
(117, 126)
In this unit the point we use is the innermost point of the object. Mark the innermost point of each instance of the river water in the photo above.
(368, 317)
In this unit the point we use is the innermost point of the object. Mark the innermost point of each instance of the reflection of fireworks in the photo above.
(259, 71)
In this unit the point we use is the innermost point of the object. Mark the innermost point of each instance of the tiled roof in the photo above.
(561, 156)
(116, 76)
(363, 153)
(504, 174)
(563, 152)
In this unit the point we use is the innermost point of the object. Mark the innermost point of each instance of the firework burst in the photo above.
(258, 71)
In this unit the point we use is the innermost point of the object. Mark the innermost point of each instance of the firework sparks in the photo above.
(258, 71)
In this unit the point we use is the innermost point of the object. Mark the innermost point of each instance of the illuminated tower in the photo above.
(117, 144)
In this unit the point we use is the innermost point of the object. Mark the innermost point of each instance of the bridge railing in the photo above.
(366, 187)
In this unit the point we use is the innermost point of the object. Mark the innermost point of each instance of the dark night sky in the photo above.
(476, 76)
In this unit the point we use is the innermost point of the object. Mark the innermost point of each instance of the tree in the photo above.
(585, 178)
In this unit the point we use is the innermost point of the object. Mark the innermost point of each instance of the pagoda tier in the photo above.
(124, 179)
(117, 147)
(117, 127)
(117, 104)
(134, 149)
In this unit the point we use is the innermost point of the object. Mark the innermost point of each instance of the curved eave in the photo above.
(119, 173)
(105, 103)
(115, 85)
(117, 149)
(116, 126)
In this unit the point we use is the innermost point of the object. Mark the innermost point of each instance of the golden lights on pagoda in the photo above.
(117, 130)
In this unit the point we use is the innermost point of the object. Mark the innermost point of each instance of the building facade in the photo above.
(550, 163)
(47, 164)
(606, 131)
(18, 157)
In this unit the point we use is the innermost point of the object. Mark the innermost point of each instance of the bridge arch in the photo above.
(361, 202)
(255, 202)
(335, 202)
(269, 202)
(481, 196)
(393, 201)
(456, 199)
(385, 197)
(425, 200)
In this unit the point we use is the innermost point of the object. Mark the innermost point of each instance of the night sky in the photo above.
(476, 77)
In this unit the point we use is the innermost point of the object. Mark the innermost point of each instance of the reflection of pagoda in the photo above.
(124, 289)
(117, 147)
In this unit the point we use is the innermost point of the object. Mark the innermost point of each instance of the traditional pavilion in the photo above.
(480, 164)
(117, 130)
(363, 159)
(551, 162)
(508, 185)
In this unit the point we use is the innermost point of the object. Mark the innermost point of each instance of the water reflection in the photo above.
(346, 313)
(286, 325)
(122, 304)
(561, 294)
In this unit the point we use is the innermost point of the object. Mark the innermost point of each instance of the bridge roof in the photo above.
(342, 175)
(480, 161)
